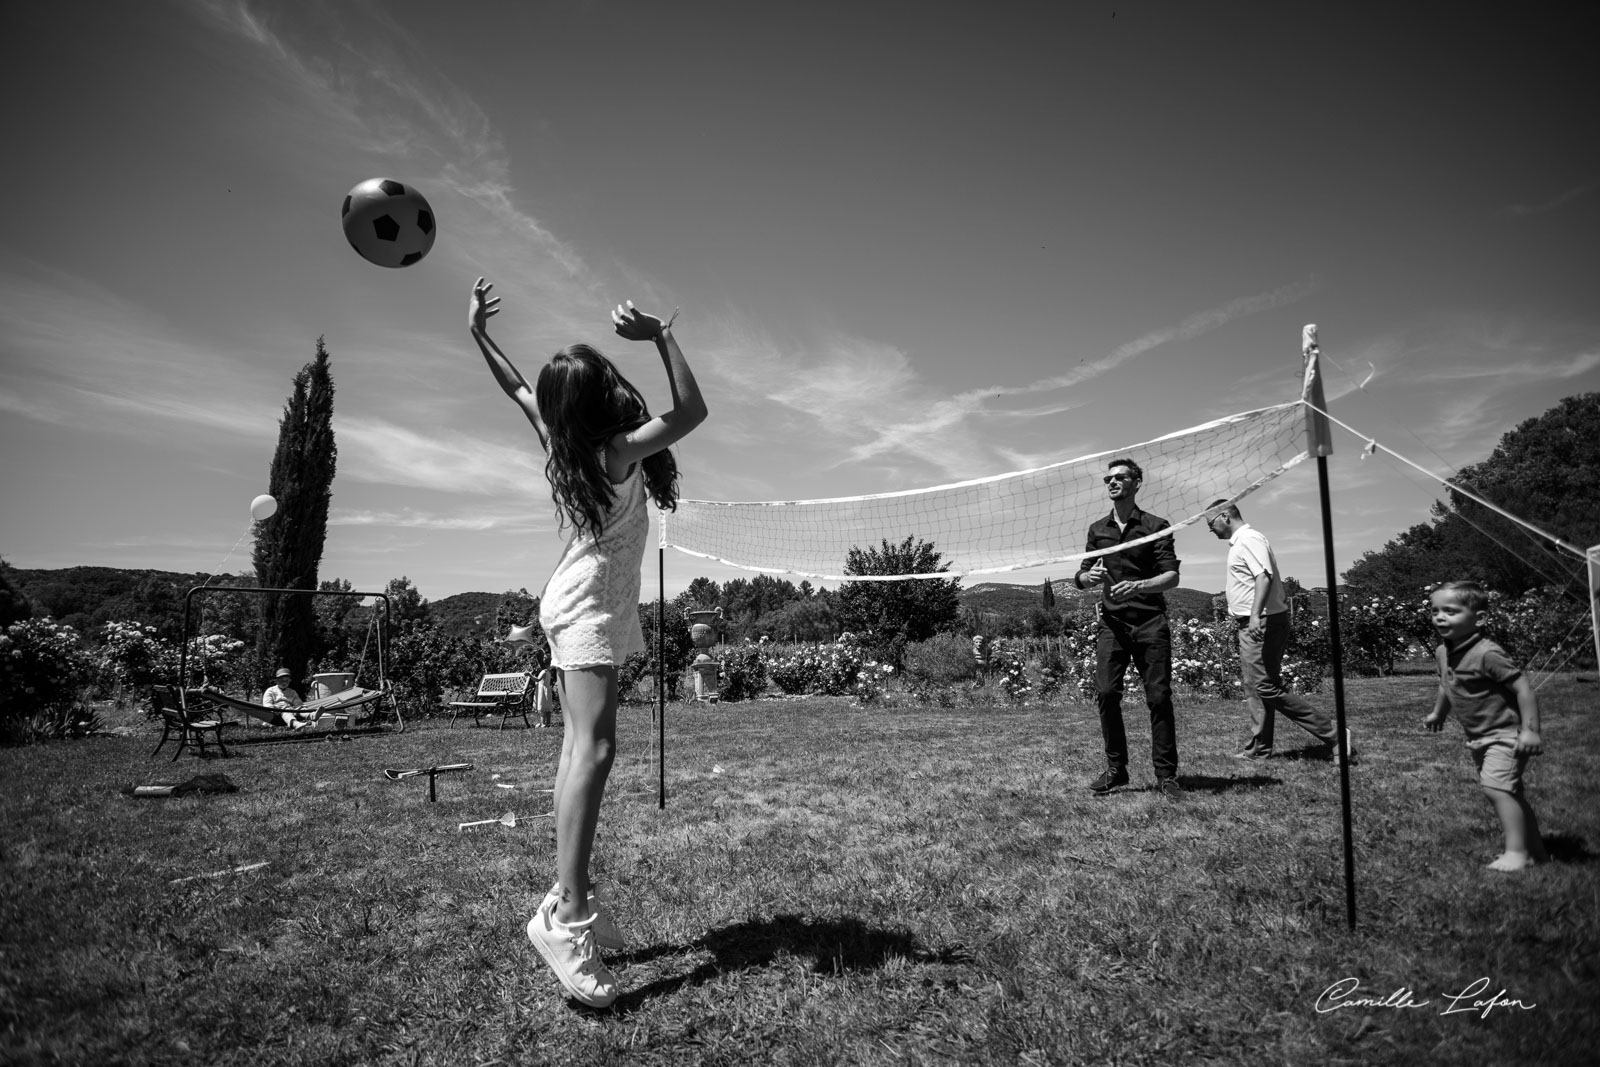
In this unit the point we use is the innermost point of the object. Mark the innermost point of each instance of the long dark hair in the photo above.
(585, 402)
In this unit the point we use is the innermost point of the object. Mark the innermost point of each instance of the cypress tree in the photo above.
(289, 545)
(1049, 596)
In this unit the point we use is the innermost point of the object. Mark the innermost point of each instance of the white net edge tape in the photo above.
(930, 489)
(1071, 557)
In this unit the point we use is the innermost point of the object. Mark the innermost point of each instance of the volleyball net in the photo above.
(1005, 522)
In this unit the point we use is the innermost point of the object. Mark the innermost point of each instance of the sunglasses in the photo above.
(1108, 479)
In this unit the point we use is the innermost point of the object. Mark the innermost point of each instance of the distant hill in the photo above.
(87, 597)
(1190, 603)
(465, 613)
(1004, 598)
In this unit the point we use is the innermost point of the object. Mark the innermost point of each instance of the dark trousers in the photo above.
(1147, 645)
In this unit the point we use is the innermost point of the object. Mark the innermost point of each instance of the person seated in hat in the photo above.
(281, 695)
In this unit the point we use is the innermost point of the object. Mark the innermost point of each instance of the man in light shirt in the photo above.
(1256, 602)
(282, 697)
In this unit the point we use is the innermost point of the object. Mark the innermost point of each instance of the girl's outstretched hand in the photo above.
(483, 306)
(636, 325)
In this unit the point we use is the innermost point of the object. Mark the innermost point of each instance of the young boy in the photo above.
(1498, 711)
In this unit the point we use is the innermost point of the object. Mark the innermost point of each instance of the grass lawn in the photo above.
(828, 884)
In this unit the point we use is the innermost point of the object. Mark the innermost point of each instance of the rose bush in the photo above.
(131, 656)
(743, 671)
(822, 669)
(1542, 630)
(1009, 657)
(872, 680)
(43, 670)
(214, 659)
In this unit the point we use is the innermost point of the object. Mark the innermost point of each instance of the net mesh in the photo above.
(1002, 523)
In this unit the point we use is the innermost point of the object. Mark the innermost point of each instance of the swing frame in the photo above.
(382, 628)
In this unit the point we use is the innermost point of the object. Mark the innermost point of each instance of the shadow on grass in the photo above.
(833, 946)
(1568, 848)
(1312, 754)
(1205, 783)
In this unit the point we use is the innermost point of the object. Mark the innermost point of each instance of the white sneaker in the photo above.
(1349, 747)
(606, 934)
(571, 952)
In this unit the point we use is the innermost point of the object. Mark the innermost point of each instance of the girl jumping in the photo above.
(604, 455)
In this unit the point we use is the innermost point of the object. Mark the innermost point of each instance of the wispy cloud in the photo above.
(79, 352)
(373, 450)
(1201, 322)
(166, 413)
(941, 429)
(1560, 200)
(371, 84)
(32, 407)
(410, 518)
(1430, 388)
(1518, 373)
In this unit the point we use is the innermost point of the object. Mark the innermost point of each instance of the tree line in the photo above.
(1547, 470)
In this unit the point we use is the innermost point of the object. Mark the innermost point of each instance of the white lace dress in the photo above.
(590, 606)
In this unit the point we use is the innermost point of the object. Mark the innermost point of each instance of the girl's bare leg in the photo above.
(588, 747)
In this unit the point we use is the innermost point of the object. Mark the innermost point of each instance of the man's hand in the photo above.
(1095, 575)
(1528, 743)
(1123, 590)
(1434, 722)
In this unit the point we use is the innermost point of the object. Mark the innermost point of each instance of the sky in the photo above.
(912, 243)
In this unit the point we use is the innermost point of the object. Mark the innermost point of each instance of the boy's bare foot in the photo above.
(1512, 861)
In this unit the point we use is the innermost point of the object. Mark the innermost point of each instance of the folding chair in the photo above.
(505, 694)
(189, 727)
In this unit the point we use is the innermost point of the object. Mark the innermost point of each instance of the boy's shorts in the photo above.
(1499, 765)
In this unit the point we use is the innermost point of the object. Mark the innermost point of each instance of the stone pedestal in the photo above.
(703, 627)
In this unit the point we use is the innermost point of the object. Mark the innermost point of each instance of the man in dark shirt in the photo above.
(1133, 627)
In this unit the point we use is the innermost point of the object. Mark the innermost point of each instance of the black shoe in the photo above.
(1108, 781)
(1169, 788)
(1253, 755)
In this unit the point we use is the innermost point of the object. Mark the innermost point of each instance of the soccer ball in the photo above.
(388, 223)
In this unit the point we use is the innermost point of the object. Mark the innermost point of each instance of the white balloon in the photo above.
(263, 507)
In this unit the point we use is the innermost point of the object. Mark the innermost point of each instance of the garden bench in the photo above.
(505, 694)
(189, 727)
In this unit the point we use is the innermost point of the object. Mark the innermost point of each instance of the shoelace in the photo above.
(583, 943)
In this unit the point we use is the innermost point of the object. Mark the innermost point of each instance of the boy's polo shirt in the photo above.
(1477, 678)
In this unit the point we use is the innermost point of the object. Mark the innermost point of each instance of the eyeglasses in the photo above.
(1108, 479)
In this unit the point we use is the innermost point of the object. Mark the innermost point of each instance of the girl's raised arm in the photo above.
(688, 406)
(515, 385)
